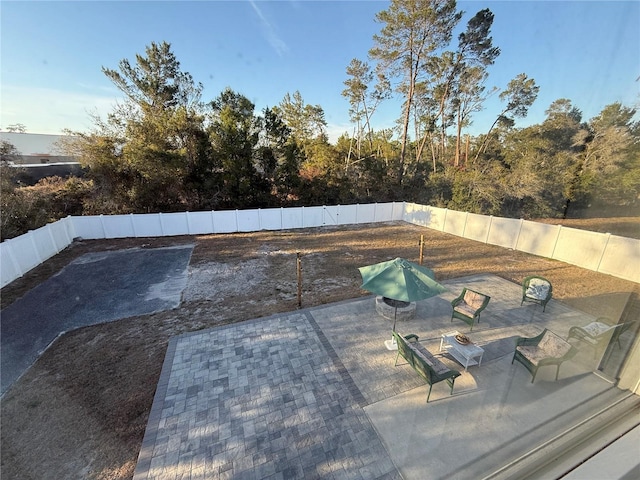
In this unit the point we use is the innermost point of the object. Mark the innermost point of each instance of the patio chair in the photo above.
(544, 349)
(468, 306)
(599, 333)
(536, 289)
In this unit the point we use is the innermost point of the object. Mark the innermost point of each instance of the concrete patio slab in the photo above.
(315, 394)
(94, 288)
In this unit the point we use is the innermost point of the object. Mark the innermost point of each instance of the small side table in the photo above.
(466, 355)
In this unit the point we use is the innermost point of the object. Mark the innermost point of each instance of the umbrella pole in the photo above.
(391, 344)
(395, 315)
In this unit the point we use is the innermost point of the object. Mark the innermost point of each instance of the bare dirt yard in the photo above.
(82, 409)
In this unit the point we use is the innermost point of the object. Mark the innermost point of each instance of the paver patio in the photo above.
(315, 394)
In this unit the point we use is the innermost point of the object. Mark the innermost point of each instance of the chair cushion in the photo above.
(595, 329)
(437, 366)
(550, 346)
(538, 289)
(532, 353)
(473, 300)
(465, 309)
(553, 345)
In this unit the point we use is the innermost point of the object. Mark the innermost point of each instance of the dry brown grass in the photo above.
(82, 409)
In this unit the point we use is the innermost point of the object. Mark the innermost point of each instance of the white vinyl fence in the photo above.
(601, 252)
(610, 254)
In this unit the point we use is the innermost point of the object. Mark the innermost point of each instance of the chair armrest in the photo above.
(411, 336)
(458, 300)
(528, 341)
(485, 302)
(579, 333)
(450, 374)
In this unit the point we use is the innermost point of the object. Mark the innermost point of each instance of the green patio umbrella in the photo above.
(401, 280)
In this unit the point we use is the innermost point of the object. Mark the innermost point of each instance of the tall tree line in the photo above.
(164, 148)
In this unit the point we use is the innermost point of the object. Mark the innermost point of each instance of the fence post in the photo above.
(188, 218)
(213, 221)
(427, 215)
(104, 230)
(555, 244)
(464, 228)
(302, 215)
(515, 245)
(444, 221)
(13, 259)
(133, 225)
(604, 250)
(161, 224)
(68, 223)
(486, 240)
(64, 222)
(53, 240)
(35, 246)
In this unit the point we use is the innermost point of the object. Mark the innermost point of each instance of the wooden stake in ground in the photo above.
(299, 268)
(421, 248)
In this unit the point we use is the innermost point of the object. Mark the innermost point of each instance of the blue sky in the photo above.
(52, 53)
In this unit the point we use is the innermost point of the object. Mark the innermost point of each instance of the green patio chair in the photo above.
(536, 289)
(599, 333)
(468, 306)
(544, 349)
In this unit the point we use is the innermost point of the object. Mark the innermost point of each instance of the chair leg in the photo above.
(429, 394)
(557, 372)
(396, 362)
